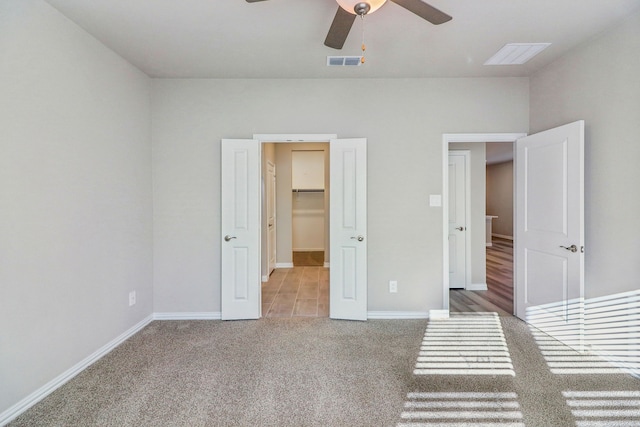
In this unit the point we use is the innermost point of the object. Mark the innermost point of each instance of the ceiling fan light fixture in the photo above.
(352, 5)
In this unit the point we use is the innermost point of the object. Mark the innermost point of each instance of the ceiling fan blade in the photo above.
(340, 28)
(424, 10)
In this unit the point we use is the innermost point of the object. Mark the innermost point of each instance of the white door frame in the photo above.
(448, 138)
(467, 214)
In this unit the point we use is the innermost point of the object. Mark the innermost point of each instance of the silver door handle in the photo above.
(572, 248)
(227, 238)
(359, 238)
(460, 228)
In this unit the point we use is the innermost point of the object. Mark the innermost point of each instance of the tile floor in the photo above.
(298, 291)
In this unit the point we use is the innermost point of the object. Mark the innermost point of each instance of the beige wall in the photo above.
(598, 82)
(403, 121)
(75, 197)
(477, 221)
(500, 197)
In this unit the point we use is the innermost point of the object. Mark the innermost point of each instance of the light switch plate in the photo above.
(435, 200)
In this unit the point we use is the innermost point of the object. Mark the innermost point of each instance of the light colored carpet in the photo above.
(320, 372)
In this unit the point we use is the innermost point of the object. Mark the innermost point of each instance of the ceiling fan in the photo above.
(349, 9)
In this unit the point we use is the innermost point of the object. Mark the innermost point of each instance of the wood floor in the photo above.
(298, 291)
(308, 258)
(499, 296)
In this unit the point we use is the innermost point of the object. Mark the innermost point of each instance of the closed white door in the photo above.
(271, 216)
(458, 220)
(549, 263)
(240, 229)
(348, 229)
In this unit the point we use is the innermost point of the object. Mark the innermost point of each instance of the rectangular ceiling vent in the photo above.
(344, 61)
(516, 53)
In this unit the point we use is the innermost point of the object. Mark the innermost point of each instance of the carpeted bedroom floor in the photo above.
(321, 372)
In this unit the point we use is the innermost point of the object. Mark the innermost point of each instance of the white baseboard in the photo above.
(477, 287)
(265, 279)
(326, 265)
(284, 265)
(397, 315)
(438, 314)
(188, 315)
(502, 236)
(308, 250)
(35, 397)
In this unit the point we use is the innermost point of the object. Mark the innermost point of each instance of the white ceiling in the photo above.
(284, 38)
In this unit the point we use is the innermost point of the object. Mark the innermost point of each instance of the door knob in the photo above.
(572, 248)
(227, 238)
(460, 228)
(359, 238)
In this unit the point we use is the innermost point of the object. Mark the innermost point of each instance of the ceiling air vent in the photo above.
(344, 61)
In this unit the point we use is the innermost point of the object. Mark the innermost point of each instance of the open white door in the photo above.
(271, 216)
(240, 229)
(549, 232)
(348, 229)
(458, 177)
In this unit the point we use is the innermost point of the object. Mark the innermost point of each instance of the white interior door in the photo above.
(348, 229)
(240, 229)
(458, 228)
(271, 216)
(549, 264)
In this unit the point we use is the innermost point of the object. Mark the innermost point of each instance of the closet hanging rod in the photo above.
(308, 190)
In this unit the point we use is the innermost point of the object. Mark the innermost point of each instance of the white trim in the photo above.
(307, 250)
(35, 397)
(477, 287)
(294, 137)
(284, 265)
(438, 314)
(446, 139)
(397, 315)
(265, 279)
(326, 264)
(502, 236)
(189, 315)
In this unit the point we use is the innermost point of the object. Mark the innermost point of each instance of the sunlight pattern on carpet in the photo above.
(463, 409)
(618, 408)
(464, 344)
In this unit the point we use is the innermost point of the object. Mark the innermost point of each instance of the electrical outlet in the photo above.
(132, 298)
(393, 286)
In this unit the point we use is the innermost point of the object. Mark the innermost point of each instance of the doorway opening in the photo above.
(308, 207)
(490, 284)
(295, 206)
(244, 227)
